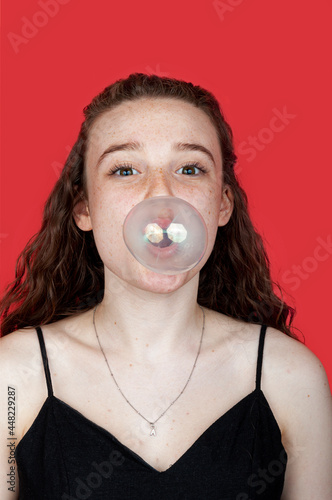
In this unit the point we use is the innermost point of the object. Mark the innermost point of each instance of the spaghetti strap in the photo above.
(260, 357)
(45, 360)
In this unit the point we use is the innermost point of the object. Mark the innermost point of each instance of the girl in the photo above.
(133, 384)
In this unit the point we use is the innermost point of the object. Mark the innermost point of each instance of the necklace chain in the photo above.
(152, 424)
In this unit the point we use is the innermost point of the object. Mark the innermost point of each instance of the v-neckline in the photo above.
(133, 453)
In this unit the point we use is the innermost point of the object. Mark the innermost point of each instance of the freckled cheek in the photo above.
(107, 223)
(209, 205)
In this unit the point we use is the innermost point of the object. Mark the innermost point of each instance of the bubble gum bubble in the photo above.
(165, 234)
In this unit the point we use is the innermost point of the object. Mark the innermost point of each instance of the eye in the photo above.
(126, 169)
(192, 169)
(122, 170)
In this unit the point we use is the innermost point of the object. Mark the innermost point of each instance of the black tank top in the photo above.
(65, 456)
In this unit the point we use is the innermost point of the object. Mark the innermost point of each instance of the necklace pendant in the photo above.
(153, 430)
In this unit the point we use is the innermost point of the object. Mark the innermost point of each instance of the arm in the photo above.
(308, 432)
(22, 389)
(9, 485)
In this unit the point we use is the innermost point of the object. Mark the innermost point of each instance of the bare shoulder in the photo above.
(15, 349)
(286, 360)
(299, 386)
(22, 344)
(293, 377)
(20, 351)
(21, 364)
(293, 365)
(21, 369)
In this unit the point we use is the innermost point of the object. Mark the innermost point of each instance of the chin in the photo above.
(162, 283)
(141, 278)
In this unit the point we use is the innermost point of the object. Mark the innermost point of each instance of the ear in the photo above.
(81, 216)
(226, 206)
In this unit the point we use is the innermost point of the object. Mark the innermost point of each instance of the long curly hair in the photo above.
(60, 273)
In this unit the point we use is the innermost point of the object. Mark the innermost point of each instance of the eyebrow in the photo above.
(137, 146)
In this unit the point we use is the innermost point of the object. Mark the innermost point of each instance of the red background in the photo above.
(256, 57)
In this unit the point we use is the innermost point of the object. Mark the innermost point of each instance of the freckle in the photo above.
(136, 338)
(130, 364)
(115, 322)
(166, 444)
(147, 345)
(308, 395)
(212, 350)
(173, 420)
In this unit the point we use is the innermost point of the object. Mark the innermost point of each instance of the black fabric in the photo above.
(65, 456)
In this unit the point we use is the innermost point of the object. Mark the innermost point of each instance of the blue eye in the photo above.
(122, 170)
(126, 169)
(192, 169)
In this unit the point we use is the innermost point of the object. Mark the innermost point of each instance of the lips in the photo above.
(165, 242)
(162, 222)
(163, 251)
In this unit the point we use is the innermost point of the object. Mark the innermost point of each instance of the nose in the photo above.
(159, 184)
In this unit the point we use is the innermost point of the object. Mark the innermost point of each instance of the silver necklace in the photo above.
(152, 424)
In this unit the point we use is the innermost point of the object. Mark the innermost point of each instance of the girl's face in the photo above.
(146, 148)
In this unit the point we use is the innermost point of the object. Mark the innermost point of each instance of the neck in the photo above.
(148, 326)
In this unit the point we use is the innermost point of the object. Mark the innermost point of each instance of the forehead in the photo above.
(149, 120)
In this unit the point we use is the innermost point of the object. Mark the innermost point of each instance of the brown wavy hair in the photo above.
(60, 273)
